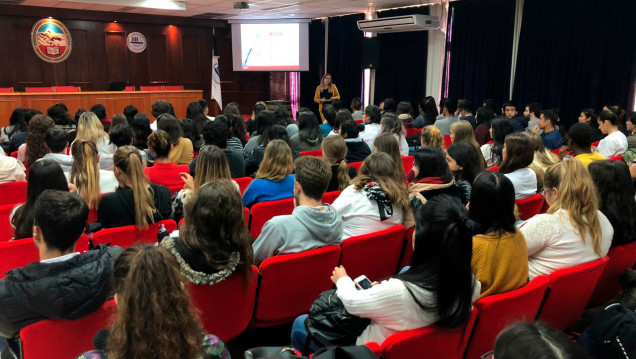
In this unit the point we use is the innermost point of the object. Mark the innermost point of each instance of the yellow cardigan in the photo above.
(334, 95)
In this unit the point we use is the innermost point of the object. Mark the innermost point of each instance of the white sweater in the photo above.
(525, 182)
(107, 181)
(554, 244)
(389, 306)
(371, 131)
(613, 144)
(360, 215)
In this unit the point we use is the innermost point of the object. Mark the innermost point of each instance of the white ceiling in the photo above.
(259, 9)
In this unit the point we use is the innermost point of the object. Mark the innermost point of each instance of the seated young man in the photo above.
(311, 224)
(551, 137)
(217, 133)
(580, 144)
(120, 135)
(56, 140)
(64, 284)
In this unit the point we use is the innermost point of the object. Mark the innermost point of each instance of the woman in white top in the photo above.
(499, 129)
(375, 200)
(615, 143)
(573, 231)
(518, 154)
(438, 288)
(86, 175)
(90, 128)
(392, 124)
(371, 118)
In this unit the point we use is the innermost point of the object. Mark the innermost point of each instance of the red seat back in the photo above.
(243, 183)
(447, 141)
(359, 122)
(130, 236)
(39, 89)
(129, 88)
(356, 165)
(264, 211)
(360, 254)
(6, 230)
(14, 154)
(617, 158)
(329, 197)
(213, 302)
(499, 311)
(493, 168)
(173, 88)
(13, 192)
(556, 150)
(64, 339)
(290, 283)
(620, 258)
(67, 89)
(17, 254)
(6, 89)
(150, 88)
(407, 253)
(570, 290)
(530, 207)
(315, 153)
(407, 162)
(412, 132)
(436, 342)
(595, 144)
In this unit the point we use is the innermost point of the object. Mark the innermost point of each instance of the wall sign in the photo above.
(136, 42)
(51, 40)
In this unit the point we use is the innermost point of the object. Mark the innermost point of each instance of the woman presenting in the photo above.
(325, 92)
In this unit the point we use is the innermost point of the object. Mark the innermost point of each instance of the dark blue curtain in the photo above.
(574, 55)
(310, 79)
(479, 50)
(401, 73)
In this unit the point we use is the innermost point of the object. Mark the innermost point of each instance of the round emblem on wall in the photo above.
(136, 42)
(51, 40)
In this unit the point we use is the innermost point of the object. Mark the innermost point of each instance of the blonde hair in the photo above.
(90, 128)
(433, 137)
(128, 160)
(85, 171)
(463, 131)
(277, 162)
(211, 165)
(334, 152)
(380, 168)
(543, 158)
(576, 195)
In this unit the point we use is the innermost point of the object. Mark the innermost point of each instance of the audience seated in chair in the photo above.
(274, 179)
(34, 149)
(140, 125)
(309, 136)
(615, 142)
(329, 113)
(551, 137)
(275, 132)
(90, 128)
(391, 124)
(580, 144)
(234, 144)
(357, 148)
(16, 124)
(11, 170)
(19, 138)
(311, 225)
(448, 111)
(86, 175)
(372, 117)
(164, 172)
(120, 135)
(56, 140)
(517, 156)
(159, 108)
(388, 144)
(182, 151)
(483, 116)
(462, 131)
(264, 119)
(465, 161)
(217, 133)
(500, 127)
(427, 113)
(334, 152)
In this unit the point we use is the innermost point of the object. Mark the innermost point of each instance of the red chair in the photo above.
(6, 230)
(129, 88)
(407, 162)
(150, 88)
(496, 312)
(493, 168)
(14, 154)
(412, 132)
(556, 150)
(213, 302)
(64, 339)
(13, 192)
(67, 89)
(356, 165)
(595, 144)
(330, 197)
(6, 89)
(434, 341)
(243, 183)
(290, 283)
(620, 258)
(246, 117)
(315, 153)
(360, 254)
(617, 158)
(174, 189)
(264, 211)
(39, 89)
(407, 252)
(130, 236)
(359, 122)
(172, 88)
(17, 254)
(529, 207)
(447, 141)
(570, 290)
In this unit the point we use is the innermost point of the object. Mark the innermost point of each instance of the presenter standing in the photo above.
(325, 93)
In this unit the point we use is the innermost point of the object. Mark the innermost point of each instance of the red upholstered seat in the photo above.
(39, 89)
(264, 211)
(595, 144)
(356, 165)
(130, 236)
(67, 89)
(17, 254)
(315, 153)
(617, 158)
(14, 154)
(447, 141)
(496, 312)
(556, 150)
(243, 183)
(493, 168)
(150, 88)
(570, 290)
(359, 122)
(407, 253)
(620, 258)
(376, 255)
(289, 284)
(329, 197)
(529, 207)
(64, 339)
(412, 132)
(407, 162)
(173, 88)
(6, 89)
(129, 88)
(213, 302)
(13, 192)
(6, 231)
(434, 341)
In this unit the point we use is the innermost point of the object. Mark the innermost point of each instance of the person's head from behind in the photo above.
(432, 137)
(58, 222)
(500, 127)
(17, 116)
(380, 169)
(464, 107)
(216, 133)
(159, 108)
(388, 144)
(525, 340)
(190, 130)
(493, 105)
(532, 110)
(264, 120)
(85, 171)
(35, 138)
(356, 104)
(30, 113)
(630, 124)
(211, 165)
(372, 114)
(56, 139)
(312, 178)
(428, 107)
(464, 161)
(277, 161)
(276, 132)
(518, 152)
(118, 119)
(100, 111)
(510, 110)
(492, 203)
(89, 127)
(130, 112)
(129, 171)
(282, 116)
(450, 106)
(258, 107)
(390, 105)
(608, 122)
(308, 126)
(171, 126)
(580, 137)
(141, 127)
(348, 129)
(391, 124)
(462, 131)
(537, 142)
(334, 152)
(341, 116)
(484, 115)
(194, 108)
(404, 107)
(121, 135)
(232, 111)
(442, 251)
(159, 144)
(548, 119)
(59, 114)
(204, 106)
(431, 162)
(329, 112)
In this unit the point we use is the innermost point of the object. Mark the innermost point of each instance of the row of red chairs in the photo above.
(48, 89)
(407, 162)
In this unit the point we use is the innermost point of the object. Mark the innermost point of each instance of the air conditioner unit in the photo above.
(399, 24)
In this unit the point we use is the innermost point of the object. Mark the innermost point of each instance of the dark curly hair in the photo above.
(35, 148)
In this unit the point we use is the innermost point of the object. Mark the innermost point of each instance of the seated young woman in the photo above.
(164, 172)
(182, 150)
(375, 200)
(274, 179)
(500, 256)
(309, 136)
(500, 127)
(357, 149)
(135, 202)
(573, 231)
(438, 288)
(86, 175)
(391, 124)
(465, 161)
(387, 143)
(167, 329)
(208, 254)
(274, 132)
(431, 137)
(616, 198)
(334, 152)
(518, 154)
(462, 131)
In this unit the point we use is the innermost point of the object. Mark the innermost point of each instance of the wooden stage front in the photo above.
(114, 101)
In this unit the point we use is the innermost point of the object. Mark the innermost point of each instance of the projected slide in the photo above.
(270, 47)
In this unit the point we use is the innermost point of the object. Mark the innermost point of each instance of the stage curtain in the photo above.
(309, 80)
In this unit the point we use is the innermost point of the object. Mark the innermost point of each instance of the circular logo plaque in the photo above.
(136, 42)
(51, 40)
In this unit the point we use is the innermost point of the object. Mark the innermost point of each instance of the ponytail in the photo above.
(128, 160)
(85, 171)
(343, 175)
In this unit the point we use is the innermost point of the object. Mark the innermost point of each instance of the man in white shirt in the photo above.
(159, 108)
(450, 106)
(371, 118)
(56, 140)
(615, 143)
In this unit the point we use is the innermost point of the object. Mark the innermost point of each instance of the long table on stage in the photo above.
(114, 101)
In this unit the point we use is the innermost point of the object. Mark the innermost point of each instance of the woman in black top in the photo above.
(357, 149)
(334, 151)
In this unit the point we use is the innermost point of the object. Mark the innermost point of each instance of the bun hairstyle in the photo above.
(159, 142)
(128, 160)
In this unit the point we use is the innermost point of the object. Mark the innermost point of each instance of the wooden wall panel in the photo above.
(78, 65)
(29, 68)
(117, 57)
(157, 58)
(191, 58)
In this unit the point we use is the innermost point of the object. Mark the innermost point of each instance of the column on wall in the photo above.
(436, 52)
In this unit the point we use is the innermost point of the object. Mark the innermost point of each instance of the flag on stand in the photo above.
(216, 79)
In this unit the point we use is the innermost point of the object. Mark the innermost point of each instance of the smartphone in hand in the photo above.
(362, 282)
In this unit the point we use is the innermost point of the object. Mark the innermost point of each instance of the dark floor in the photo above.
(277, 336)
